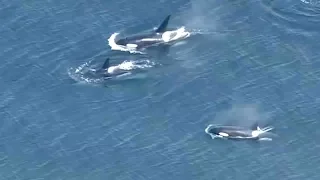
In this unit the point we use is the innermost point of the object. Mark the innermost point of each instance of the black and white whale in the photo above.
(236, 132)
(123, 71)
(108, 72)
(158, 36)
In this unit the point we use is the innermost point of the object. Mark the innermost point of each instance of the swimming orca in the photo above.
(160, 35)
(108, 71)
(236, 132)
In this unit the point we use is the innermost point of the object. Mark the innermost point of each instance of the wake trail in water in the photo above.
(208, 32)
(114, 46)
(87, 73)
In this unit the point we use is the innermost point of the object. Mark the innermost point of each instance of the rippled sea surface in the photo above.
(246, 61)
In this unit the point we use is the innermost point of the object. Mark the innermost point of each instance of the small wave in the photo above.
(294, 17)
(305, 1)
(311, 2)
(79, 74)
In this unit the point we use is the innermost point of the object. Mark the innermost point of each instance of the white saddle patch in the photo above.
(132, 45)
(255, 133)
(126, 65)
(112, 69)
(149, 39)
(223, 134)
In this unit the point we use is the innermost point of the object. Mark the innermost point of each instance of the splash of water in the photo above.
(114, 46)
(242, 115)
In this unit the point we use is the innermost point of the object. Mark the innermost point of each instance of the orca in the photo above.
(158, 36)
(108, 71)
(236, 132)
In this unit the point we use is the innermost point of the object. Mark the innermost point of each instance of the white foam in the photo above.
(305, 1)
(259, 131)
(208, 129)
(129, 65)
(178, 34)
(126, 65)
(129, 48)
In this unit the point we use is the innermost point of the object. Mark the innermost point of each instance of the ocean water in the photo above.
(245, 61)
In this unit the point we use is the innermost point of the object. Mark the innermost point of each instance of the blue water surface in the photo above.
(246, 61)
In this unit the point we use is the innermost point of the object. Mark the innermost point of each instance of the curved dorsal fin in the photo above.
(255, 126)
(106, 64)
(163, 26)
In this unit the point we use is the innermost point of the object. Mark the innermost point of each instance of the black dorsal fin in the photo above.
(254, 126)
(163, 26)
(106, 64)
